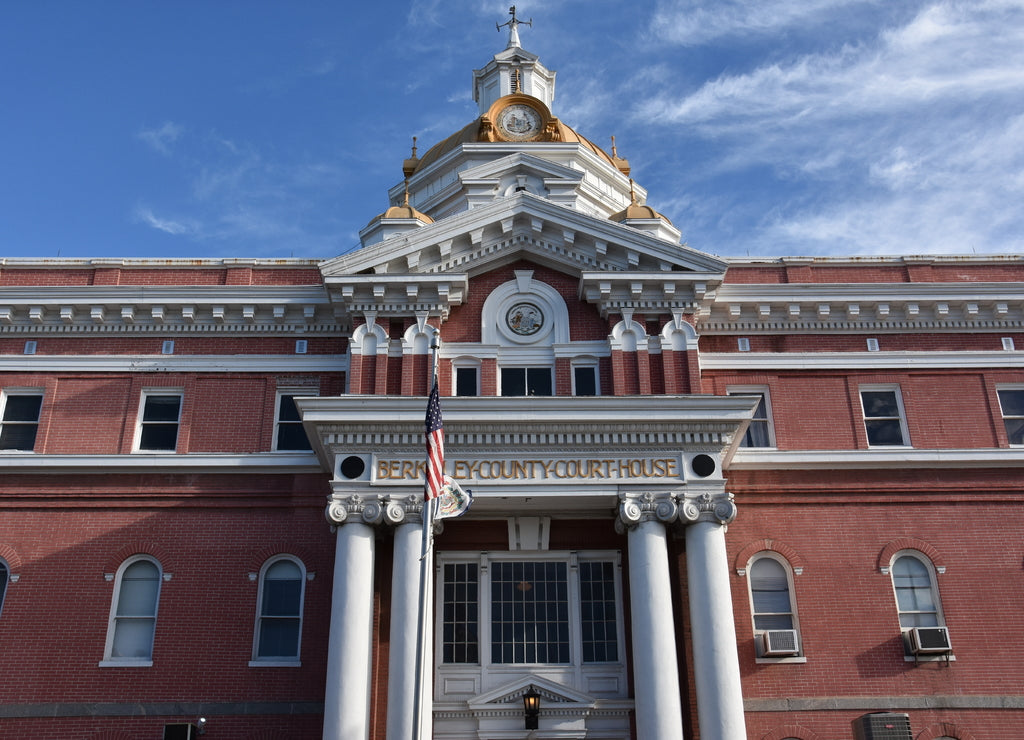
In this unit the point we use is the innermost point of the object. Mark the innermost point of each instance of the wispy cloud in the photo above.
(161, 139)
(144, 214)
(693, 22)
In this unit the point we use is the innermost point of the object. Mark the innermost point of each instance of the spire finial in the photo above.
(513, 28)
(414, 146)
(632, 193)
(406, 203)
(615, 152)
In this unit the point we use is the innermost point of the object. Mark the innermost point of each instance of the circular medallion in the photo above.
(524, 319)
(518, 122)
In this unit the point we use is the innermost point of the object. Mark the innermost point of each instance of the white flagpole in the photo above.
(423, 692)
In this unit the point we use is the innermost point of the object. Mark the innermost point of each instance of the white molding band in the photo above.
(264, 462)
(777, 361)
(902, 458)
(298, 363)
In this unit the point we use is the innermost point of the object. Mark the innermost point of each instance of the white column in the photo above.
(715, 659)
(405, 595)
(659, 714)
(349, 648)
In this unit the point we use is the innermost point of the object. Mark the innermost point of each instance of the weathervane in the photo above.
(513, 28)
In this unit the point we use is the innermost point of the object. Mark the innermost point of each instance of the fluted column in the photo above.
(406, 514)
(659, 713)
(715, 658)
(347, 695)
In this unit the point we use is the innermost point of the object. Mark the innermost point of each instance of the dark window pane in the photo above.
(161, 408)
(513, 381)
(18, 436)
(22, 408)
(1014, 431)
(538, 381)
(884, 432)
(287, 410)
(159, 437)
(880, 403)
(466, 381)
(586, 381)
(1011, 400)
(279, 638)
(292, 437)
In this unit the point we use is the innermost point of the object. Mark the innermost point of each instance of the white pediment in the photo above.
(520, 172)
(550, 692)
(428, 271)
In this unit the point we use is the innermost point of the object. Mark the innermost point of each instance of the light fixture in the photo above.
(531, 707)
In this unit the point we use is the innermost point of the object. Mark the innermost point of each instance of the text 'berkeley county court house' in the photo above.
(765, 498)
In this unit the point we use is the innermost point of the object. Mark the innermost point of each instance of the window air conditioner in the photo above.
(929, 640)
(882, 726)
(777, 643)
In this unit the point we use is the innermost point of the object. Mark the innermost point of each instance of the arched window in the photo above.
(133, 613)
(279, 613)
(5, 573)
(917, 598)
(769, 578)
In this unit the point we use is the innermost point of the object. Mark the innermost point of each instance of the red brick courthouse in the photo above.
(714, 498)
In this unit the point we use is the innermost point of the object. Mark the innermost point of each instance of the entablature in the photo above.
(863, 307)
(656, 293)
(216, 309)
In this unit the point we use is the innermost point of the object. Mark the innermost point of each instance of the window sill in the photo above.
(275, 663)
(788, 659)
(126, 663)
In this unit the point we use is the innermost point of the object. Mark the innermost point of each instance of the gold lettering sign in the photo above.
(568, 469)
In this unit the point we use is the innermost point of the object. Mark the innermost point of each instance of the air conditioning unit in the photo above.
(882, 726)
(929, 640)
(779, 643)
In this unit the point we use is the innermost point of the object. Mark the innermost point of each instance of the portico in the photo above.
(653, 465)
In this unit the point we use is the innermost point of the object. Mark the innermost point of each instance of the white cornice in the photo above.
(900, 459)
(175, 363)
(864, 307)
(858, 360)
(269, 462)
(648, 292)
(135, 309)
(151, 263)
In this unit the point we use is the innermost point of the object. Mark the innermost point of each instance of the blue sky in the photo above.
(266, 129)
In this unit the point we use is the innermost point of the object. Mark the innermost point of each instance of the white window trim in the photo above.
(21, 391)
(742, 390)
(586, 362)
(294, 392)
(894, 388)
(108, 661)
(5, 583)
(465, 363)
(278, 662)
(771, 555)
(1003, 416)
(575, 667)
(933, 574)
(146, 392)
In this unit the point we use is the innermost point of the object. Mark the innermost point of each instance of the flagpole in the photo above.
(426, 563)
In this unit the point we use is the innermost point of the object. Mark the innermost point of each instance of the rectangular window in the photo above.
(883, 416)
(289, 434)
(584, 380)
(20, 420)
(158, 423)
(460, 643)
(760, 433)
(526, 381)
(1011, 402)
(467, 381)
(531, 611)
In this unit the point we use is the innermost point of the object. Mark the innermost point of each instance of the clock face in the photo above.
(518, 122)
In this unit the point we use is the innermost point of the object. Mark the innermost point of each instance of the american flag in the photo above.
(435, 445)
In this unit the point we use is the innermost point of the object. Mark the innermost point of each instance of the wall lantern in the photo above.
(531, 707)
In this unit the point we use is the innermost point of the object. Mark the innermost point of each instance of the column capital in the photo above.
(708, 507)
(374, 509)
(354, 508)
(636, 508)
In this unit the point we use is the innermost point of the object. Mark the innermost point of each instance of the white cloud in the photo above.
(145, 215)
(695, 22)
(163, 137)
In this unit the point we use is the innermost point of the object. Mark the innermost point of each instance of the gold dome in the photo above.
(636, 211)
